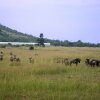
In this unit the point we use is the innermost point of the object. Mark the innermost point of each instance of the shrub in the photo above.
(31, 48)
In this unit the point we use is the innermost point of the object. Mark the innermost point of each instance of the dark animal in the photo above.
(14, 58)
(98, 63)
(75, 61)
(17, 59)
(92, 62)
(72, 61)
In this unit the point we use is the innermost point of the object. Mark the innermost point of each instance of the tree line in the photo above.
(10, 35)
(66, 43)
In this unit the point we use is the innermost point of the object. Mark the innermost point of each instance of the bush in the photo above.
(31, 48)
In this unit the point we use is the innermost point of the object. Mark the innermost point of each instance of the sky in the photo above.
(71, 20)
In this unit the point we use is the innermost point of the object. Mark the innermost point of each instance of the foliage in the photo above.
(10, 35)
(31, 48)
(67, 43)
(41, 40)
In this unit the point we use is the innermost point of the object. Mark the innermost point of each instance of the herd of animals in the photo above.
(66, 61)
(13, 58)
(76, 61)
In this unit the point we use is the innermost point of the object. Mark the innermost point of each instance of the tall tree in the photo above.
(41, 35)
(41, 40)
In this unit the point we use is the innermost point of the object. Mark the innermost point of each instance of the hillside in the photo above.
(10, 35)
(7, 34)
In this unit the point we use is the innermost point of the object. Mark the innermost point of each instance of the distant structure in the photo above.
(22, 43)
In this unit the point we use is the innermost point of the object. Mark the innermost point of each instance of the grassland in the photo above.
(46, 80)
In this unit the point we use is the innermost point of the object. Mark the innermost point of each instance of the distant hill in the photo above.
(10, 35)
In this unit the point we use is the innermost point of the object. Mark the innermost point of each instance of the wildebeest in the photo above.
(17, 59)
(72, 61)
(98, 63)
(92, 62)
(14, 58)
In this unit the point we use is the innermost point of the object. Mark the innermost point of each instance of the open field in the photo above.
(46, 80)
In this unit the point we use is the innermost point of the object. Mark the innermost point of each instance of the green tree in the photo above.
(41, 40)
(41, 35)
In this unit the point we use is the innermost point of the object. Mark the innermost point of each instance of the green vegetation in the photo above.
(41, 40)
(9, 35)
(31, 48)
(46, 80)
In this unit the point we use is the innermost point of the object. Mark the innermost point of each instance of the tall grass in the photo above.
(46, 80)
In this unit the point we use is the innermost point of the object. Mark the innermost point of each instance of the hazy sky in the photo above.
(57, 19)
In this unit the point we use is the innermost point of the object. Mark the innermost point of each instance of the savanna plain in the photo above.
(44, 79)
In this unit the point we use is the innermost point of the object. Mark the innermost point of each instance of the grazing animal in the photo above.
(31, 60)
(75, 61)
(98, 63)
(72, 61)
(17, 59)
(14, 58)
(92, 62)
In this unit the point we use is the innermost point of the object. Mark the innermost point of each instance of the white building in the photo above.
(22, 43)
